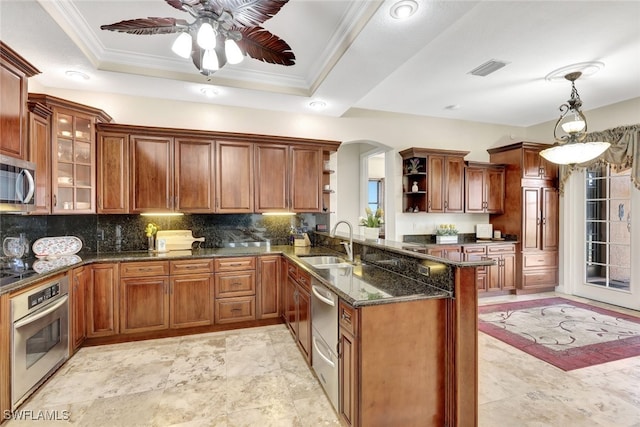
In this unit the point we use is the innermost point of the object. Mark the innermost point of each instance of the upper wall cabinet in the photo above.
(433, 180)
(289, 178)
(73, 154)
(206, 172)
(40, 154)
(234, 177)
(484, 187)
(14, 74)
(152, 170)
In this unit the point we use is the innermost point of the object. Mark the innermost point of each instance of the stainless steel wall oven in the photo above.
(40, 336)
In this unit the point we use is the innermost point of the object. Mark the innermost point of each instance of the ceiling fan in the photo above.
(223, 31)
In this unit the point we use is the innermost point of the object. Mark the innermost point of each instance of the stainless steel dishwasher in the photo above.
(324, 322)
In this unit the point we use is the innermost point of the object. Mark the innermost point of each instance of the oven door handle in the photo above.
(40, 314)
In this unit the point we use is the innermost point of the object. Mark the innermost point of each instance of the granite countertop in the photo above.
(360, 285)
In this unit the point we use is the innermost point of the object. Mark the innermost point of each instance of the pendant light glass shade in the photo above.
(577, 152)
(570, 132)
(206, 36)
(182, 45)
(232, 52)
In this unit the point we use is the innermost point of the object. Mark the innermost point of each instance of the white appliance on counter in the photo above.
(324, 337)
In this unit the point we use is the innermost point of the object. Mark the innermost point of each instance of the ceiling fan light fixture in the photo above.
(403, 9)
(76, 75)
(570, 131)
(210, 60)
(182, 45)
(206, 36)
(232, 52)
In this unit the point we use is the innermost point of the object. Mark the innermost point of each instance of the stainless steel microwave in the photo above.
(17, 185)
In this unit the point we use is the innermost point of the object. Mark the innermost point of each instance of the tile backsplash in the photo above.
(115, 233)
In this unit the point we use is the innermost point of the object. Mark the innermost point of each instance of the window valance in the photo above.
(623, 154)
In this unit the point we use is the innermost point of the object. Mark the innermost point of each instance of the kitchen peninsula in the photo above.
(408, 353)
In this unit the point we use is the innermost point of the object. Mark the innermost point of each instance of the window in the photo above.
(608, 227)
(375, 194)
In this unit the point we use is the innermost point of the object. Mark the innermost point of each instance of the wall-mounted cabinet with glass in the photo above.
(73, 154)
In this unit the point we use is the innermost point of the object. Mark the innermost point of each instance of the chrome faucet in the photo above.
(347, 246)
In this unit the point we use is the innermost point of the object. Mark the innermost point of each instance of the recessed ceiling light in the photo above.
(209, 92)
(587, 69)
(452, 107)
(317, 105)
(403, 9)
(76, 75)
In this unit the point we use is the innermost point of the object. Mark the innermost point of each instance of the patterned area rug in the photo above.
(567, 334)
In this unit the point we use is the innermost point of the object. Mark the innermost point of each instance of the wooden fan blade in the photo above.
(248, 13)
(179, 4)
(144, 26)
(260, 44)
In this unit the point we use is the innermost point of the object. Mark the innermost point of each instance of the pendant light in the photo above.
(570, 132)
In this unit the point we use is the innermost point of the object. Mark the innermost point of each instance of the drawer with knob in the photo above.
(239, 309)
(235, 284)
(144, 269)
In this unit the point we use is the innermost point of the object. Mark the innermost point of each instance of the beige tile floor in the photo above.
(257, 377)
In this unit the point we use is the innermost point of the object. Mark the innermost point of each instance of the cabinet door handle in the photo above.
(446, 204)
(55, 201)
(236, 284)
(544, 221)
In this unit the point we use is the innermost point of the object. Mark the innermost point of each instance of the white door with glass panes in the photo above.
(603, 236)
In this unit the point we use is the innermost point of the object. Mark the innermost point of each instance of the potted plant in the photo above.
(446, 233)
(372, 223)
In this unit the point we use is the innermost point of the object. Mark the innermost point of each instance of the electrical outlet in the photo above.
(424, 270)
(100, 235)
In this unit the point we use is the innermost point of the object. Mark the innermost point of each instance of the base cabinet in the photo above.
(191, 302)
(298, 308)
(235, 289)
(102, 306)
(390, 374)
(78, 331)
(268, 290)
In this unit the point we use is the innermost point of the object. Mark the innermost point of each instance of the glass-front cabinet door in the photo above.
(73, 163)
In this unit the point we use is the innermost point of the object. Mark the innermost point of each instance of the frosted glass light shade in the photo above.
(210, 60)
(576, 152)
(573, 126)
(182, 45)
(206, 37)
(232, 51)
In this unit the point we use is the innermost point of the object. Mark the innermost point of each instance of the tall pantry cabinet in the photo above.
(531, 213)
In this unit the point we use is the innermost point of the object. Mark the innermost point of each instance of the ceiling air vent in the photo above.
(488, 67)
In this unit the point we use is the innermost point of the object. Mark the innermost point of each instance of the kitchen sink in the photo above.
(326, 261)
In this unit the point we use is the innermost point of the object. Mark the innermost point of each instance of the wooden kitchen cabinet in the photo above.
(306, 179)
(234, 177)
(484, 188)
(6, 327)
(191, 302)
(477, 253)
(298, 308)
(77, 309)
(102, 308)
(40, 154)
(194, 175)
(537, 167)
(14, 74)
(144, 296)
(439, 177)
(151, 173)
(235, 289)
(73, 154)
(154, 170)
(288, 178)
(389, 375)
(531, 213)
(348, 365)
(113, 173)
(502, 275)
(268, 289)
(453, 252)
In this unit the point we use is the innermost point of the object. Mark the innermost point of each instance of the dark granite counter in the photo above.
(384, 272)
